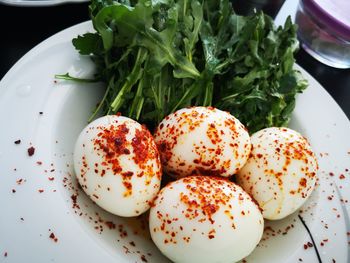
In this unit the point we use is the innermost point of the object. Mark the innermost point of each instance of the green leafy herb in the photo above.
(161, 55)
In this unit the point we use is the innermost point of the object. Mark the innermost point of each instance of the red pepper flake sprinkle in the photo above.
(40, 191)
(303, 182)
(113, 142)
(143, 147)
(20, 181)
(39, 163)
(18, 142)
(203, 197)
(308, 245)
(5, 254)
(31, 151)
(143, 258)
(342, 176)
(13, 191)
(110, 225)
(53, 237)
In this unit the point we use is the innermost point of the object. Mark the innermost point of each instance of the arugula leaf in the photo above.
(157, 56)
(88, 44)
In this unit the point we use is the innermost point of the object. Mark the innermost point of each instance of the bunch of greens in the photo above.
(157, 56)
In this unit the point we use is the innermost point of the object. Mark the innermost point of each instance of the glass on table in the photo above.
(324, 30)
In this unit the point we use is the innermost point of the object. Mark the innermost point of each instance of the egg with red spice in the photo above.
(205, 219)
(280, 173)
(117, 164)
(202, 140)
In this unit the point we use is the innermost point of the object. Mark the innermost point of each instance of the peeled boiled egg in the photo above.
(202, 140)
(205, 219)
(117, 164)
(280, 173)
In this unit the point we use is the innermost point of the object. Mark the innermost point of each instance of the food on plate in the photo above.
(117, 164)
(202, 140)
(156, 57)
(205, 219)
(280, 173)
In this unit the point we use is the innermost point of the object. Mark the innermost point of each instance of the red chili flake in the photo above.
(143, 147)
(127, 174)
(202, 199)
(74, 200)
(303, 182)
(20, 181)
(31, 151)
(5, 254)
(165, 149)
(51, 178)
(18, 142)
(342, 176)
(132, 243)
(13, 191)
(259, 155)
(309, 244)
(53, 237)
(110, 224)
(331, 174)
(143, 258)
(39, 163)
(40, 190)
(112, 141)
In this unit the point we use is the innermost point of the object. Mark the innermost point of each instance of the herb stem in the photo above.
(133, 77)
(101, 103)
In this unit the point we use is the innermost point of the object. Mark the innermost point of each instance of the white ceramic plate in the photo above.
(41, 201)
(39, 2)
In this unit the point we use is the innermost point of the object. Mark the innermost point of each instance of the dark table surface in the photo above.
(24, 27)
